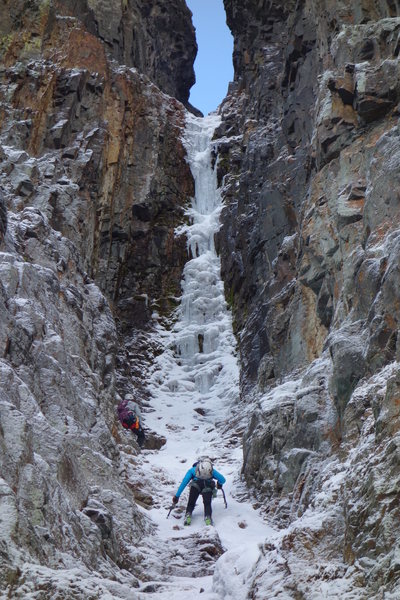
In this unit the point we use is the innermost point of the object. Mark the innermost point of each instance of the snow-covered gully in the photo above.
(194, 387)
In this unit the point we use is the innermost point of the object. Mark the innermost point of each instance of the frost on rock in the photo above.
(276, 353)
(56, 410)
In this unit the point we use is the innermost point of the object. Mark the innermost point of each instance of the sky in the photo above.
(213, 65)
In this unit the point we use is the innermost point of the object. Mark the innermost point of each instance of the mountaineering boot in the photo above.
(208, 521)
(188, 519)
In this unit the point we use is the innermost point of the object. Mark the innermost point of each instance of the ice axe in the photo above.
(174, 503)
(223, 493)
(170, 509)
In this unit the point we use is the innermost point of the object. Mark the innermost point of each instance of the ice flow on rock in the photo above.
(202, 335)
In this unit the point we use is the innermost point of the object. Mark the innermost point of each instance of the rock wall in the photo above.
(93, 182)
(74, 107)
(308, 161)
(156, 39)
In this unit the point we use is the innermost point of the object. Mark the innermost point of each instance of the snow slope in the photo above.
(194, 388)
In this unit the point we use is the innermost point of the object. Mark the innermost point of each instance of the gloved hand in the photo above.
(219, 485)
(214, 494)
(175, 500)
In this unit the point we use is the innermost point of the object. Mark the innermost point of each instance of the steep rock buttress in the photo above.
(93, 182)
(309, 249)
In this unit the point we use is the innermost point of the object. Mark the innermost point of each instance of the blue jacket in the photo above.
(191, 474)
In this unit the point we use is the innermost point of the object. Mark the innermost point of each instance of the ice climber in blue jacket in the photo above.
(201, 478)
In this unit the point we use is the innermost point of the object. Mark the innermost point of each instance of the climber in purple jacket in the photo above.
(201, 476)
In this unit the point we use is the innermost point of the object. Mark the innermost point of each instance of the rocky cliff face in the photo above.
(309, 246)
(77, 106)
(156, 39)
(93, 183)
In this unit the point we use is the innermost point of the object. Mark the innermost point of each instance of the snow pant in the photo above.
(205, 488)
(140, 436)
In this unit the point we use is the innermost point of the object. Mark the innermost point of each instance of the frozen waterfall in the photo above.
(200, 359)
(194, 388)
(203, 332)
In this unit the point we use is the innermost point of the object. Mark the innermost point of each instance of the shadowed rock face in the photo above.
(308, 162)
